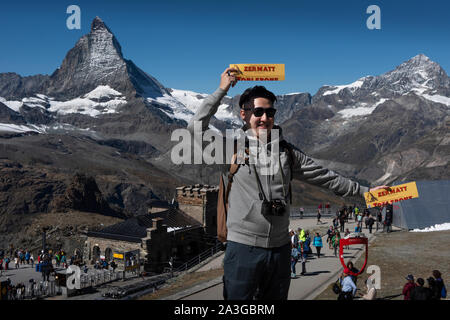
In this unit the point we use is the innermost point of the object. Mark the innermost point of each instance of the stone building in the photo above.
(180, 231)
(200, 202)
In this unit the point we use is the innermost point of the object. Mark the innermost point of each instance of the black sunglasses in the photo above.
(258, 112)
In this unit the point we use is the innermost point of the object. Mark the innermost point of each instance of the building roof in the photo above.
(134, 229)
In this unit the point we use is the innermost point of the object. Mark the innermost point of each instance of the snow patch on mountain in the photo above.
(172, 107)
(101, 100)
(14, 105)
(8, 127)
(361, 110)
(438, 99)
(355, 112)
(86, 106)
(192, 101)
(102, 92)
(352, 86)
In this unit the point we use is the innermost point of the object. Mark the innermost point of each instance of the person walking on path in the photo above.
(318, 217)
(303, 257)
(318, 244)
(330, 232)
(356, 210)
(336, 239)
(359, 224)
(379, 219)
(294, 259)
(302, 211)
(64, 261)
(301, 235)
(388, 218)
(27, 257)
(370, 223)
(348, 286)
(408, 287)
(342, 217)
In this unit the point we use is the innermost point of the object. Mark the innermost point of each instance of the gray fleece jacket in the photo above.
(245, 223)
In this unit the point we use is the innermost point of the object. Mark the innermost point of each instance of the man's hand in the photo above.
(380, 187)
(228, 78)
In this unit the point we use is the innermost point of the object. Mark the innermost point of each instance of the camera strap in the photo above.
(262, 195)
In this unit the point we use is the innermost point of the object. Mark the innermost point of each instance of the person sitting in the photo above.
(348, 286)
(371, 293)
(352, 268)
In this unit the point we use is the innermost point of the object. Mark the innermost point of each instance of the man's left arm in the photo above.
(306, 169)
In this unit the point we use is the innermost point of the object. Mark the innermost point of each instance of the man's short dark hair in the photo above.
(249, 95)
(420, 281)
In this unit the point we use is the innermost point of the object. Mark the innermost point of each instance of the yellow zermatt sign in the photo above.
(118, 256)
(259, 72)
(398, 193)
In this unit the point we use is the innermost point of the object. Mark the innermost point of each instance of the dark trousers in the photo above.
(342, 222)
(318, 251)
(345, 296)
(256, 273)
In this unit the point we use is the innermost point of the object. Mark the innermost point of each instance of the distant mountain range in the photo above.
(100, 115)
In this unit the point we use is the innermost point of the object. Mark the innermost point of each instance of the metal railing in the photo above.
(201, 257)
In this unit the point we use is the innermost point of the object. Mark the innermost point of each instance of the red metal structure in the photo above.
(353, 239)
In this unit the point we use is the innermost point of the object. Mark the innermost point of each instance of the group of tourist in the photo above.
(20, 257)
(416, 290)
(301, 248)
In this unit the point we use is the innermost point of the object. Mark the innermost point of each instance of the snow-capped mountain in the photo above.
(381, 128)
(418, 75)
(99, 93)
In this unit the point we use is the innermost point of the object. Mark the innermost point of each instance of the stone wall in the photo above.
(200, 202)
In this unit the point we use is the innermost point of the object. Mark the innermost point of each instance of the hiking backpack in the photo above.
(224, 191)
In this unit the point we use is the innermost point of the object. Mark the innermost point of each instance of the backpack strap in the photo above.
(234, 167)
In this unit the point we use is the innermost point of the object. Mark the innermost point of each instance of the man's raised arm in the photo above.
(210, 104)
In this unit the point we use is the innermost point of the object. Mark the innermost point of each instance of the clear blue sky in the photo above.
(187, 44)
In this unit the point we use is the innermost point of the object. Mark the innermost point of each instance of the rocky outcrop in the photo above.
(83, 194)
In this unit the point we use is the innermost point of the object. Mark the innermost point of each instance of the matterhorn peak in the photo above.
(98, 24)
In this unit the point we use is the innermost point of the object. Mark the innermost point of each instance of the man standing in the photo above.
(258, 250)
(388, 218)
(342, 217)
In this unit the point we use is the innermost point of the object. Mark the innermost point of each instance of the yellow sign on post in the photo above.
(259, 72)
(398, 193)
